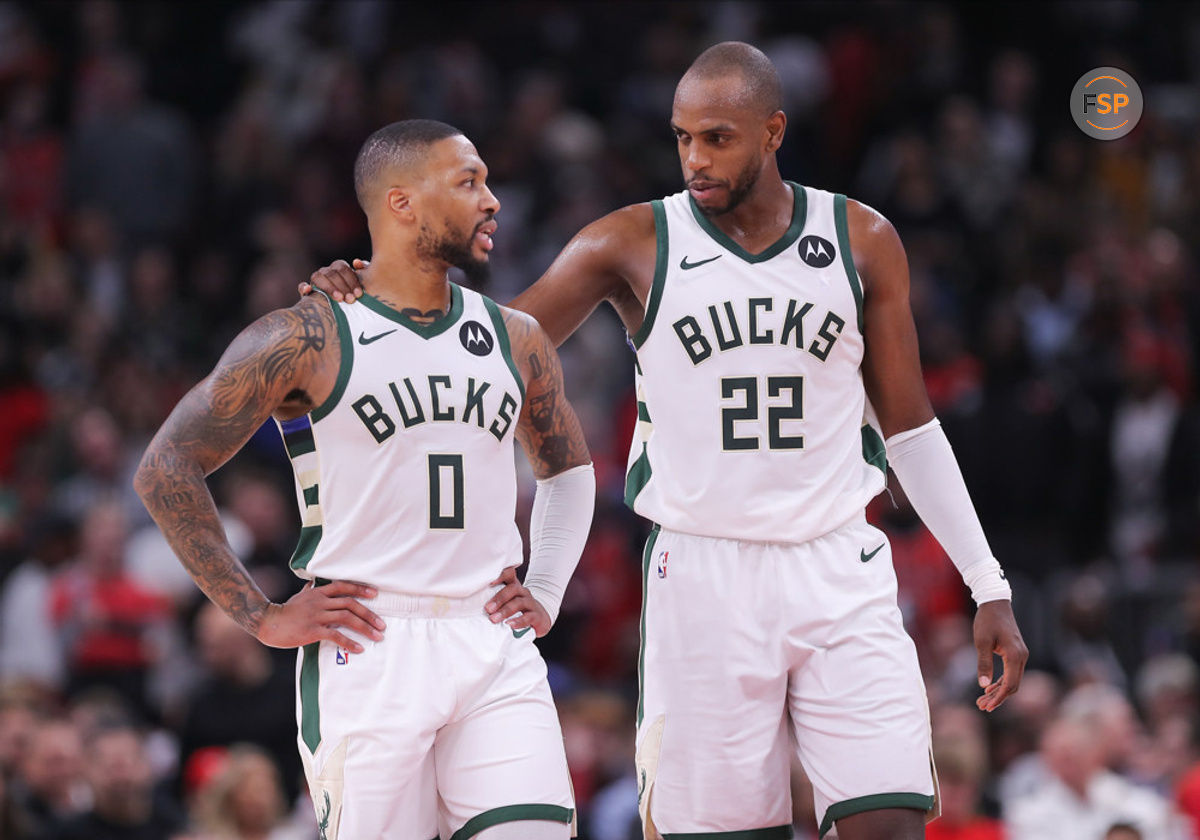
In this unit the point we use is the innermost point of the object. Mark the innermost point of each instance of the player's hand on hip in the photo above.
(338, 280)
(996, 632)
(513, 599)
(317, 613)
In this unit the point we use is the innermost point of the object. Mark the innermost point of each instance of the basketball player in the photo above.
(399, 416)
(777, 376)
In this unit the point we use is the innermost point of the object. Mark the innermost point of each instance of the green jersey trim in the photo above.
(799, 215)
(874, 802)
(300, 442)
(638, 477)
(345, 364)
(775, 832)
(874, 452)
(310, 710)
(661, 242)
(647, 553)
(424, 330)
(306, 546)
(505, 343)
(513, 813)
(843, 238)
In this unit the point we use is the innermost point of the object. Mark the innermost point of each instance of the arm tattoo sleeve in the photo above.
(269, 360)
(548, 429)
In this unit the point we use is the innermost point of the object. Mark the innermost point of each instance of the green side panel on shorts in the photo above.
(310, 710)
(775, 832)
(843, 238)
(346, 348)
(646, 555)
(660, 274)
(306, 546)
(513, 813)
(505, 344)
(874, 452)
(874, 802)
(638, 477)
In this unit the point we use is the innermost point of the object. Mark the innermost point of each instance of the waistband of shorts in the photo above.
(856, 520)
(407, 604)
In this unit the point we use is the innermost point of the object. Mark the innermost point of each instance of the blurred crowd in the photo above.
(169, 172)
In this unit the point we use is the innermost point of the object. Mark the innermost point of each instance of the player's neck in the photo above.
(762, 217)
(406, 282)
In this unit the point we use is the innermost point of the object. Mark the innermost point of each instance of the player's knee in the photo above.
(525, 830)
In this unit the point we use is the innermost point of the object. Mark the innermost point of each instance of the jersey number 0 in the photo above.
(446, 508)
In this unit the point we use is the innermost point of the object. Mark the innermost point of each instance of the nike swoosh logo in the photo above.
(519, 633)
(863, 556)
(687, 266)
(362, 337)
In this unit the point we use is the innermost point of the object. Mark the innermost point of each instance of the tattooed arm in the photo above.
(276, 365)
(550, 433)
(548, 429)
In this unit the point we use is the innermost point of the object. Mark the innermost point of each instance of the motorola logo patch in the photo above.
(816, 251)
(475, 338)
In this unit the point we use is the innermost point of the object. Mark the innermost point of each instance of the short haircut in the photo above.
(763, 90)
(398, 145)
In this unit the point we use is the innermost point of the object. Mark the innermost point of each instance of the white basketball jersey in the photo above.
(753, 422)
(405, 476)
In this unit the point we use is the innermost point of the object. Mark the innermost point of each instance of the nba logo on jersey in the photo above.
(662, 563)
(343, 658)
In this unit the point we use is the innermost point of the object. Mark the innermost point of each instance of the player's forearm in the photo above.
(558, 530)
(928, 471)
(171, 485)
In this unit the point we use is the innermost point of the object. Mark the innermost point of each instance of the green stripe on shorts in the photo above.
(874, 802)
(310, 710)
(646, 555)
(513, 813)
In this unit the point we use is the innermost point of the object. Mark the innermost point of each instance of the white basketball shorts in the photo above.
(444, 728)
(752, 650)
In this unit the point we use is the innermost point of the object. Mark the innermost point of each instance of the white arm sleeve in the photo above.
(558, 529)
(925, 464)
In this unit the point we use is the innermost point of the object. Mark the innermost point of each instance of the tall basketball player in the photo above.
(777, 375)
(399, 417)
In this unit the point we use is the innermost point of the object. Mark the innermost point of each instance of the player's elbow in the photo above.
(158, 470)
(146, 478)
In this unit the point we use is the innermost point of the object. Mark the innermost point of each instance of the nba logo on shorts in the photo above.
(662, 563)
(343, 658)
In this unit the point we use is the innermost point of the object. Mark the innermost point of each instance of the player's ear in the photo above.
(399, 203)
(776, 125)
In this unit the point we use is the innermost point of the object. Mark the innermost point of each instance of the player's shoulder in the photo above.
(624, 228)
(522, 328)
(865, 222)
(311, 317)
(875, 247)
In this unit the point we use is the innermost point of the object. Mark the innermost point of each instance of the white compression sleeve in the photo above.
(925, 464)
(558, 529)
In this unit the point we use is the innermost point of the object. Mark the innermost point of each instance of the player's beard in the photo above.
(739, 188)
(454, 247)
